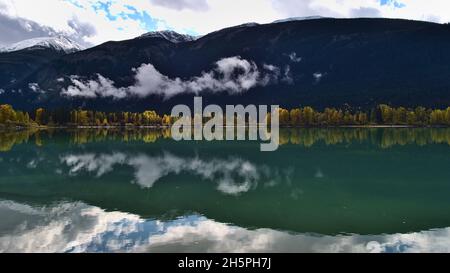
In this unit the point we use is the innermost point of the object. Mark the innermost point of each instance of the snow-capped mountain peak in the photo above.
(299, 19)
(59, 43)
(169, 35)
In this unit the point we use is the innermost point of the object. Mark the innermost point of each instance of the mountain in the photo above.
(170, 36)
(59, 43)
(298, 19)
(322, 63)
(19, 60)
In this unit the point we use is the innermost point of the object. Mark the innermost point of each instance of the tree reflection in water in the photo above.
(382, 137)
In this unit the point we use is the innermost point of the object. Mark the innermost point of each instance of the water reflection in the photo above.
(233, 175)
(342, 190)
(381, 137)
(77, 227)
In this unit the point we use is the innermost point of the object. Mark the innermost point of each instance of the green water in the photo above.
(324, 190)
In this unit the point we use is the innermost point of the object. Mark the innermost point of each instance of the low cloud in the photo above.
(233, 75)
(233, 175)
(195, 5)
(83, 29)
(35, 88)
(365, 12)
(16, 29)
(287, 78)
(318, 76)
(101, 87)
(294, 58)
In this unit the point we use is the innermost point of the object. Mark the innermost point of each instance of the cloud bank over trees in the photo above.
(233, 75)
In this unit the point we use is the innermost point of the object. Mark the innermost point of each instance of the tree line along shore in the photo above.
(382, 115)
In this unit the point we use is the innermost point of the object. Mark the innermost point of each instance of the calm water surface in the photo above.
(324, 190)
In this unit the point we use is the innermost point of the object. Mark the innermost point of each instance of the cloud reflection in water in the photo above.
(233, 175)
(77, 227)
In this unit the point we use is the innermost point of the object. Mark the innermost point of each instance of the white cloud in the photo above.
(63, 17)
(319, 174)
(17, 29)
(287, 75)
(101, 87)
(233, 175)
(66, 227)
(101, 164)
(233, 75)
(196, 5)
(78, 227)
(433, 10)
(210, 236)
(294, 58)
(35, 88)
(317, 76)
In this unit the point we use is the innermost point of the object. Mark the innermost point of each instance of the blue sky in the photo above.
(132, 14)
(151, 24)
(95, 21)
(397, 4)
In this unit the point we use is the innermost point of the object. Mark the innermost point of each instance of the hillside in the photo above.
(318, 62)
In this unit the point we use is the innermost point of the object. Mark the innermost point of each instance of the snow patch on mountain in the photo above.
(170, 36)
(299, 19)
(252, 24)
(59, 43)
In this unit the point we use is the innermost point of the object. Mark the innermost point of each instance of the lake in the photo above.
(324, 190)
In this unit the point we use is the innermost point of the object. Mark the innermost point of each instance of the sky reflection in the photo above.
(232, 174)
(223, 197)
(77, 227)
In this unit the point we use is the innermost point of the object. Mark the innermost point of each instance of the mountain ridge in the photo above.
(328, 62)
(290, 19)
(58, 43)
(168, 35)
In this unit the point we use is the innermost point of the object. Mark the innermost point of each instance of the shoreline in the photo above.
(19, 128)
